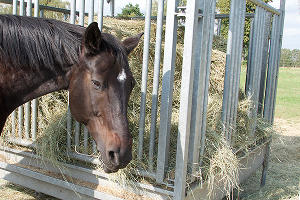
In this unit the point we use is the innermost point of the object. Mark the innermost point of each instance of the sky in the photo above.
(291, 33)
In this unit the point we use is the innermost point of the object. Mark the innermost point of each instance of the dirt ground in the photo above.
(283, 178)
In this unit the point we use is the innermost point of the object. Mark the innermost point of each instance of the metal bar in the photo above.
(144, 78)
(249, 65)
(233, 63)
(36, 8)
(94, 146)
(167, 90)
(77, 133)
(72, 11)
(100, 14)
(42, 13)
(81, 12)
(281, 25)
(69, 129)
(159, 29)
(13, 124)
(112, 8)
(91, 12)
(15, 7)
(85, 139)
(264, 63)
(27, 120)
(265, 6)
(271, 67)
(29, 8)
(238, 62)
(201, 75)
(224, 16)
(22, 8)
(20, 121)
(34, 104)
(186, 92)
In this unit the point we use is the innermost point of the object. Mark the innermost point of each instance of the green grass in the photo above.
(288, 93)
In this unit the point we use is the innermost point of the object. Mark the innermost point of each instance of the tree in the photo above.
(290, 58)
(131, 11)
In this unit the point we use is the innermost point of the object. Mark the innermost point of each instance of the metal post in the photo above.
(159, 29)
(36, 8)
(85, 140)
(20, 121)
(15, 6)
(77, 133)
(82, 13)
(186, 92)
(233, 64)
(13, 124)
(29, 8)
(201, 80)
(112, 7)
(22, 8)
(144, 78)
(167, 90)
(27, 120)
(34, 105)
(42, 13)
(91, 12)
(72, 11)
(100, 14)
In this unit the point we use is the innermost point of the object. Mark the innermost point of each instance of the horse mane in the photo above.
(32, 43)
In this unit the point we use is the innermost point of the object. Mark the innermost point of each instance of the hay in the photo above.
(52, 117)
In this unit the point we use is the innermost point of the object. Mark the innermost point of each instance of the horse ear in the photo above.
(92, 38)
(132, 42)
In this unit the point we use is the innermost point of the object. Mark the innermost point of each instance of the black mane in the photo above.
(35, 43)
(31, 43)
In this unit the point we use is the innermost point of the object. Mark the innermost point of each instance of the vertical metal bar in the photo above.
(280, 30)
(69, 117)
(72, 11)
(234, 53)
(94, 146)
(29, 8)
(167, 90)
(15, 7)
(100, 14)
(249, 72)
(201, 79)
(27, 120)
(85, 140)
(77, 133)
(91, 12)
(159, 28)
(36, 8)
(186, 90)
(42, 13)
(112, 7)
(144, 77)
(20, 121)
(238, 62)
(22, 8)
(13, 124)
(264, 63)
(34, 104)
(82, 12)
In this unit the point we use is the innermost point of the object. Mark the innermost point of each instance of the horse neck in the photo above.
(18, 86)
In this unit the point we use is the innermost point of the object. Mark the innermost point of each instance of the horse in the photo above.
(39, 56)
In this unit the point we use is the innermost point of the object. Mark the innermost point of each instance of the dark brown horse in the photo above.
(39, 56)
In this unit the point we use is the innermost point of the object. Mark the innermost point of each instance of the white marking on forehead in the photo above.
(122, 76)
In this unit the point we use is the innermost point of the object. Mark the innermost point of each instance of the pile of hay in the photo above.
(53, 107)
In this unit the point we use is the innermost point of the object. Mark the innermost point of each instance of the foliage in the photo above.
(131, 11)
(290, 58)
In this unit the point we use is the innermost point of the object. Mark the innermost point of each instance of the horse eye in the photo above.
(99, 85)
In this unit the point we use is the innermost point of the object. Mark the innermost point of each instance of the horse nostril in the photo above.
(114, 157)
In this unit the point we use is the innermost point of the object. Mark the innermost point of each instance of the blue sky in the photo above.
(291, 34)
